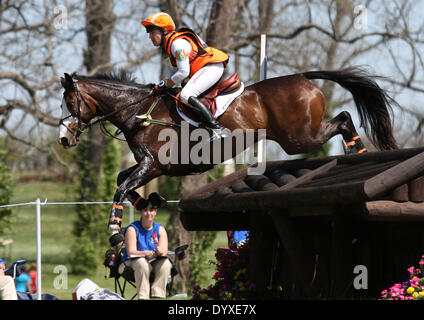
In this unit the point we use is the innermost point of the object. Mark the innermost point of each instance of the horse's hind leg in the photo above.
(342, 124)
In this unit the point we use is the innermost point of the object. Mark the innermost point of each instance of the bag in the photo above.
(102, 294)
(29, 296)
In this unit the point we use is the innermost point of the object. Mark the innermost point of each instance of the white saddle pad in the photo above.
(222, 104)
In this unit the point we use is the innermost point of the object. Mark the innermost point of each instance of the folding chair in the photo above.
(113, 261)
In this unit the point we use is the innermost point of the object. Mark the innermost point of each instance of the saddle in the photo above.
(224, 87)
(209, 97)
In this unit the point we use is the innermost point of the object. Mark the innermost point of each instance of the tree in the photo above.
(91, 218)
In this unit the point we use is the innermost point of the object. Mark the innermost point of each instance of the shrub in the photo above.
(411, 289)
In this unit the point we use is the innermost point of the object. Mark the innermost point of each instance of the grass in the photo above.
(56, 238)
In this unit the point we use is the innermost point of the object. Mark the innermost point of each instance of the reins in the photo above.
(146, 118)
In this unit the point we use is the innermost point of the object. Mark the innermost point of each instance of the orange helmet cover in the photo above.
(161, 20)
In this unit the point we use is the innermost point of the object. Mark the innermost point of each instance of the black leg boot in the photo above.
(217, 129)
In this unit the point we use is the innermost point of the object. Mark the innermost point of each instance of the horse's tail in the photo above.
(372, 102)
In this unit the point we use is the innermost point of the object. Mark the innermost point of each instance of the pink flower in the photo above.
(411, 270)
(414, 281)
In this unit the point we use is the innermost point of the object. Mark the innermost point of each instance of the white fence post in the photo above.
(263, 59)
(38, 234)
(262, 76)
(131, 214)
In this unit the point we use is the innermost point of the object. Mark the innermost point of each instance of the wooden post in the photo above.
(296, 253)
(261, 251)
(341, 270)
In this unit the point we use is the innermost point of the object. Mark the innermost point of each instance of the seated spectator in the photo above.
(32, 272)
(237, 238)
(23, 281)
(148, 239)
(7, 285)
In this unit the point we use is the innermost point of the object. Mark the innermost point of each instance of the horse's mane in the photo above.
(121, 77)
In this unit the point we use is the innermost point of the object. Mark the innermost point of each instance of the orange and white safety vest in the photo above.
(199, 55)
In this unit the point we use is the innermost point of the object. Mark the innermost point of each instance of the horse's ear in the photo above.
(67, 82)
(68, 77)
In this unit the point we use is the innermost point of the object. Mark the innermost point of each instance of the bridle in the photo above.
(81, 126)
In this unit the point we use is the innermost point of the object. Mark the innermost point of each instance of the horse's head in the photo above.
(77, 111)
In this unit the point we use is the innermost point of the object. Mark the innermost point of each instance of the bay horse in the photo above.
(291, 109)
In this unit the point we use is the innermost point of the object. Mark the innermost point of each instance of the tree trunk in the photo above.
(100, 20)
(219, 30)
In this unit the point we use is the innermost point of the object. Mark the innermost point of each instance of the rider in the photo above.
(192, 59)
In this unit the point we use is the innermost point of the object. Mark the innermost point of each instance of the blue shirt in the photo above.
(21, 282)
(146, 239)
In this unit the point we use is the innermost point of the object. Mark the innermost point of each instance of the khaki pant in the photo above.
(162, 269)
(7, 288)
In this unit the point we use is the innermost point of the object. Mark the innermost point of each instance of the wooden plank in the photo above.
(352, 173)
(347, 193)
(395, 177)
(352, 159)
(400, 194)
(281, 177)
(240, 186)
(262, 240)
(215, 221)
(260, 183)
(311, 211)
(210, 188)
(416, 190)
(296, 253)
(309, 176)
(395, 211)
(341, 256)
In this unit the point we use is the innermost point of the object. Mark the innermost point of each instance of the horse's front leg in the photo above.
(137, 176)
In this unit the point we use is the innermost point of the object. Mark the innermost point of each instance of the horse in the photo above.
(291, 108)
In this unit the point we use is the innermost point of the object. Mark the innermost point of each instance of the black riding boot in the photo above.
(218, 130)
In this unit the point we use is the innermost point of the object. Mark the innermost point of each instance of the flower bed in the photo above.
(411, 289)
(232, 279)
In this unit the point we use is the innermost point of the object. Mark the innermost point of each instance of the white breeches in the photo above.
(202, 80)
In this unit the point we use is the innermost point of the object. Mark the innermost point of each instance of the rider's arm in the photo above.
(131, 244)
(180, 50)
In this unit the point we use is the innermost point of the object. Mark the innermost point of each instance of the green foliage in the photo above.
(5, 192)
(203, 241)
(84, 256)
(198, 253)
(323, 151)
(170, 187)
(111, 166)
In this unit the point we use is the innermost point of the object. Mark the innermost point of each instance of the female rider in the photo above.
(190, 58)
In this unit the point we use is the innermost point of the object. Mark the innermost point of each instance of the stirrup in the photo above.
(220, 133)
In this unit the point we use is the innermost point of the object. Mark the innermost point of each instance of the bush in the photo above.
(411, 289)
(84, 256)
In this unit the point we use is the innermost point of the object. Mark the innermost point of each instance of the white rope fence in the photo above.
(37, 203)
